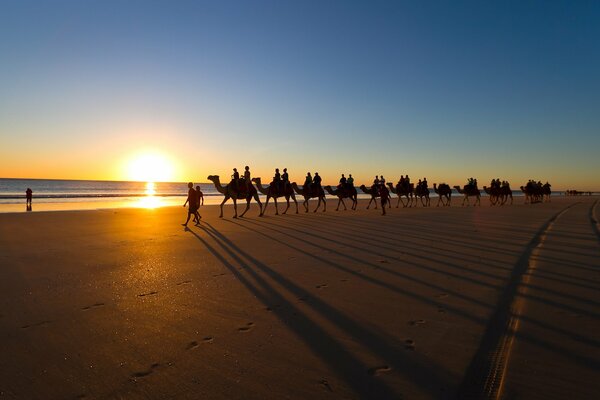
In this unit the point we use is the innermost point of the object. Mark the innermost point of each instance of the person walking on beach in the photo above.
(199, 202)
(193, 203)
(28, 198)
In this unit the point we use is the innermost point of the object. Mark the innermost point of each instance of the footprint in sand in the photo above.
(384, 261)
(416, 322)
(41, 323)
(191, 345)
(92, 306)
(323, 285)
(246, 328)
(147, 294)
(207, 339)
(216, 275)
(442, 295)
(184, 283)
(325, 384)
(147, 372)
(409, 344)
(343, 280)
(379, 370)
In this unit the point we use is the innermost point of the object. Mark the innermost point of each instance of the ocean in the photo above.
(55, 195)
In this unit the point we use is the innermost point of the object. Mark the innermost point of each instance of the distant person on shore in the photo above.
(193, 204)
(28, 198)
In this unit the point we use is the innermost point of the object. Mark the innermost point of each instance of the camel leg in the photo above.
(343, 203)
(248, 199)
(305, 204)
(223, 202)
(338, 206)
(264, 209)
(369, 205)
(295, 202)
(287, 199)
(275, 201)
(318, 205)
(324, 204)
(260, 207)
(234, 207)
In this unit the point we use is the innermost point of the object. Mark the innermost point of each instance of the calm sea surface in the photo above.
(51, 194)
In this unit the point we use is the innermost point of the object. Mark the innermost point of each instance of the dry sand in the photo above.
(423, 303)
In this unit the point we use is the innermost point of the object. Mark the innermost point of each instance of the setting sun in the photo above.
(150, 167)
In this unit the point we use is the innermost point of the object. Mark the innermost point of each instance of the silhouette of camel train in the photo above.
(408, 194)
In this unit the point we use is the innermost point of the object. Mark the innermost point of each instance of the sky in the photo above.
(440, 89)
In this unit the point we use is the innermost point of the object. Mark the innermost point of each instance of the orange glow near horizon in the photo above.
(150, 167)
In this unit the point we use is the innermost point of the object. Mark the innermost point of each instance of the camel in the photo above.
(271, 191)
(309, 194)
(445, 192)
(505, 194)
(229, 192)
(343, 194)
(422, 194)
(546, 192)
(536, 192)
(493, 193)
(468, 191)
(403, 191)
(375, 192)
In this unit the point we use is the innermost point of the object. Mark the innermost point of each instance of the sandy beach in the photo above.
(448, 302)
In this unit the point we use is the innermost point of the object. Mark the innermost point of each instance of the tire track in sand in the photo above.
(484, 377)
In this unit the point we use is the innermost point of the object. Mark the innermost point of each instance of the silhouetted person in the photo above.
(28, 198)
(276, 180)
(307, 182)
(193, 203)
(382, 181)
(343, 181)
(247, 177)
(317, 181)
(285, 178)
(350, 182)
(235, 179)
(199, 202)
(376, 181)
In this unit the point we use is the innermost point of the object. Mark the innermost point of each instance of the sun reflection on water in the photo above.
(149, 200)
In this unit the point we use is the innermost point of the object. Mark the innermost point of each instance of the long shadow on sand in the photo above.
(417, 368)
(377, 244)
(583, 360)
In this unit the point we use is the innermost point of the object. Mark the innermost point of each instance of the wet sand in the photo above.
(423, 303)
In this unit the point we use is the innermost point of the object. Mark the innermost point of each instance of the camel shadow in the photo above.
(423, 372)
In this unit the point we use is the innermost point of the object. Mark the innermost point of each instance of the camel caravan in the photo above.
(535, 192)
(408, 194)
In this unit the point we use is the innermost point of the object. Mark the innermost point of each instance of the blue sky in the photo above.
(443, 89)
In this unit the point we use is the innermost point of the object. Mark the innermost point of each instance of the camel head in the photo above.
(213, 178)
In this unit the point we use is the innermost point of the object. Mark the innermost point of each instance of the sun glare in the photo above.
(150, 167)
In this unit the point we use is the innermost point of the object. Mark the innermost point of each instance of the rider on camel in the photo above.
(247, 177)
(307, 182)
(350, 182)
(235, 179)
(317, 181)
(285, 178)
